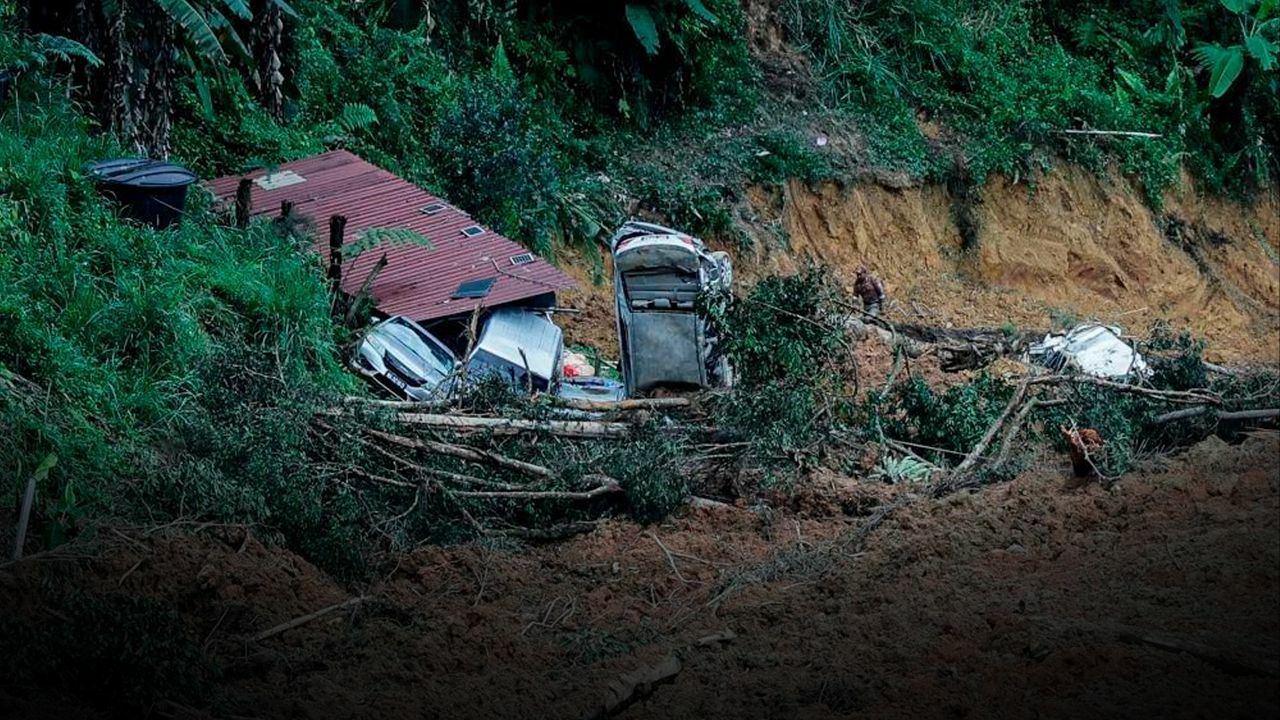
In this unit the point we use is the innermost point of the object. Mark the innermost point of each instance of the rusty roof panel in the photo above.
(418, 281)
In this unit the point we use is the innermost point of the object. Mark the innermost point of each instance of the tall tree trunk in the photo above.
(268, 49)
(132, 94)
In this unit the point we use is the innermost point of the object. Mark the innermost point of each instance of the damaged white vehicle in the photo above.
(400, 356)
(658, 274)
(522, 347)
(1097, 350)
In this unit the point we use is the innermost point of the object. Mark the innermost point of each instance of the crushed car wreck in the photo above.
(663, 341)
(399, 356)
(1097, 350)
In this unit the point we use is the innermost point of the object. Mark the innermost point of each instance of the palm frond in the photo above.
(196, 27)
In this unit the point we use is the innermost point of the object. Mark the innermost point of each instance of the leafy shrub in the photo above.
(785, 340)
(172, 372)
(492, 154)
(954, 420)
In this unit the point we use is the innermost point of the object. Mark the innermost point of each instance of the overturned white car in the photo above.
(658, 274)
(1097, 350)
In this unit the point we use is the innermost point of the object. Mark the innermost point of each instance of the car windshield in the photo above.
(412, 340)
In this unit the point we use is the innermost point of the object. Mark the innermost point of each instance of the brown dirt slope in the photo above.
(1030, 599)
(1076, 247)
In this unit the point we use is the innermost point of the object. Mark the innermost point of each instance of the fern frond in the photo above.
(356, 116)
(65, 49)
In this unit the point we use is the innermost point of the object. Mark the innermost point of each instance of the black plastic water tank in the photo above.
(150, 191)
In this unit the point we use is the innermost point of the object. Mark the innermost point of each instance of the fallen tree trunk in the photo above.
(1172, 396)
(1185, 413)
(607, 486)
(976, 454)
(572, 403)
(463, 452)
(621, 405)
(303, 620)
(513, 426)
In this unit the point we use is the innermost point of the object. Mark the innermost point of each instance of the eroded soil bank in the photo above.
(1075, 247)
(1155, 598)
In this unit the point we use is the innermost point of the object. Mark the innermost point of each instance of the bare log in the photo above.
(304, 619)
(555, 532)
(1185, 413)
(976, 454)
(1204, 397)
(397, 404)
(605, 488)
(464, 453)
(1016, 426)
(512, 426)
(1112, 133)
(621, 405)
(24, 516)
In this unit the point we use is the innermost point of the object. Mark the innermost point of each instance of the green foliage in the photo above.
(786, 341)
(954, 420)
(900, 470)
(1004, 78)
(491, 150)
(1177, 360)
(787, 329)
(172, 372)
(784, 156)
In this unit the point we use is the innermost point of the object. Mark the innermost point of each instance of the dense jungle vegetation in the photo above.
(176, 373)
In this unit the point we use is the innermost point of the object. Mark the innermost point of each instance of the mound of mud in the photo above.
(1155, 598)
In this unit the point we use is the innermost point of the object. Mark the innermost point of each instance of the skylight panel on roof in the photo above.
(284, 178)
(472, 230)
(475, 288)
(433, 208)
(522, 259)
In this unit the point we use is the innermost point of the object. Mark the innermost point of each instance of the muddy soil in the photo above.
(1036, 598)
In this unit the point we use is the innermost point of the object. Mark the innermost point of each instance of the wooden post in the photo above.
(244, 202)
(337, 230)
(28, 498)
(286, 209)
(24, 516)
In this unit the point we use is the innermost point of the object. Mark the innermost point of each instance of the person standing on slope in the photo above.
(870, 289)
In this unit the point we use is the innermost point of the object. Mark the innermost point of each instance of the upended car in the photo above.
(658, 274)
(522, 347)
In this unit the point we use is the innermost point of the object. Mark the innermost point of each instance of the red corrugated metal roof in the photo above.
(418, 281)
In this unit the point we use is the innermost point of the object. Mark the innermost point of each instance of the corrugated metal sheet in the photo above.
(418, 282)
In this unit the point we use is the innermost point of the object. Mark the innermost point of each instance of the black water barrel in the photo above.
(150, 191)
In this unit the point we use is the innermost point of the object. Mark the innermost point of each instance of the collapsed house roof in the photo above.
(466, 265)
